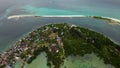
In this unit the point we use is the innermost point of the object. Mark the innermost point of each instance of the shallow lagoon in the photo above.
(39, 62)
(12, 30)
(86, 61)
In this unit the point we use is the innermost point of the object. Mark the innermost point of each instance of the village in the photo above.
(59, 41)
(24, 49)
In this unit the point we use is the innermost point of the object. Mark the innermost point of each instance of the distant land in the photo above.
(107, 19)
(59, 41)
(22, 16)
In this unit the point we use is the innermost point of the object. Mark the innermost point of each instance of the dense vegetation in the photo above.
(80, 41)
(98, 17)
(73, 41)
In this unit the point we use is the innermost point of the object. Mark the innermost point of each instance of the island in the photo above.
(40, 16)
(59, 41)
(107, 19)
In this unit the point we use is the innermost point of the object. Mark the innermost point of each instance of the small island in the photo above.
(59, 41)
(107, 19)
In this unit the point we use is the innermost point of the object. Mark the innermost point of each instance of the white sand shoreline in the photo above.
(22, 16)
(114, 20)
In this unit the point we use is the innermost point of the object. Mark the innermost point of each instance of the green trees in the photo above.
(76, 41)
(87, 41)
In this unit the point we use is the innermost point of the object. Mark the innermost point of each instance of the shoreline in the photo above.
(112, 21)
(18, 47)
(23, 16)
(108, 19)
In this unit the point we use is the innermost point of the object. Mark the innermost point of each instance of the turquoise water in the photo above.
(92, 61)
(86, 61)
(48, 11)
(107, 8)
(87, 11)
(12, 30)
(39, 62)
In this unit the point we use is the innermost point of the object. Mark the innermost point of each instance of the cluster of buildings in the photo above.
(12, 55)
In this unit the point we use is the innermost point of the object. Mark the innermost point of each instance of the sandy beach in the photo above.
(22, 16)
(112, 20)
